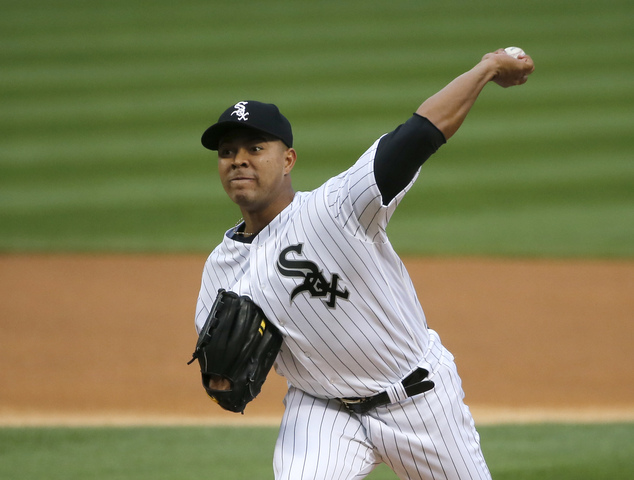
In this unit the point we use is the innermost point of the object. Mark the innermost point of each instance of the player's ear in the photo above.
(290, 157)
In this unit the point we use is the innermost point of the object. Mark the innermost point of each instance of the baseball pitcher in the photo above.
(309, 283)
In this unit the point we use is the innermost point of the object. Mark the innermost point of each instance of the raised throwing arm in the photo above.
(448, 108)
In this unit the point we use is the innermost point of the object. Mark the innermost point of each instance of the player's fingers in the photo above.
(527, 59)
(490, 54)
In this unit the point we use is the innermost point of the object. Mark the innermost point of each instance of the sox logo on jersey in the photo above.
(314, 281)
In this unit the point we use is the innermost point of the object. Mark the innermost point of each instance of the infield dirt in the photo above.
(105, 339)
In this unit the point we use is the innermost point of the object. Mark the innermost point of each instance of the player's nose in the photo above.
(241, 158)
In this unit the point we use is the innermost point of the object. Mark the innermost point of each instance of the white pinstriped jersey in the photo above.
(325, 273)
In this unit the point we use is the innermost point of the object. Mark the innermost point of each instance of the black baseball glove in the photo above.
(237, 346)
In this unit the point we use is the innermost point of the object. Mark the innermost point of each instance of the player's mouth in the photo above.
(241, 179)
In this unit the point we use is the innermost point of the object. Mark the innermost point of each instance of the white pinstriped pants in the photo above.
(428, 436)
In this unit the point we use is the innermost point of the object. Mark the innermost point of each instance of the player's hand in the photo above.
(217, 382)
(509, 71)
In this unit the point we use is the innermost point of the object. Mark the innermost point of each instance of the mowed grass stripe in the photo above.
(117, 65)
(113, 72)
(179, 141)
(112, 192)
(494, 230)
(111, 188)
(346, 97)
(526, 452)
(341, 103)
(187, 20)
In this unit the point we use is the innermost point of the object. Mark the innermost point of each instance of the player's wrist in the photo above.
(488, 67)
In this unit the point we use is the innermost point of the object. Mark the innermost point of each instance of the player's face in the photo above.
(254, 170)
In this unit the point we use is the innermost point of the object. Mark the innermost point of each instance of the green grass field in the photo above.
(103, 105)
(529, 452)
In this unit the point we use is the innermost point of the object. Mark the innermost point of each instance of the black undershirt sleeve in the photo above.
(402, 152)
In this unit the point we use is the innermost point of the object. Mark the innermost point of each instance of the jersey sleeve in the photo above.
(402, 152)
(221, 270)
(206, 297)
(362, 205)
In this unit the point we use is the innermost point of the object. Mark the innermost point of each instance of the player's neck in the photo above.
(256, 220)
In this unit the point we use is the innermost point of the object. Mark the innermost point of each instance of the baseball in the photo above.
(514, 51)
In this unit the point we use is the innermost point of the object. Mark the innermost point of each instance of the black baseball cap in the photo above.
(264, 117)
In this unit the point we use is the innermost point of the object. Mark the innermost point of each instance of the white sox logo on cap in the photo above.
(241, 111)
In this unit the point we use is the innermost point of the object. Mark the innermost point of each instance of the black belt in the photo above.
(414, 384)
